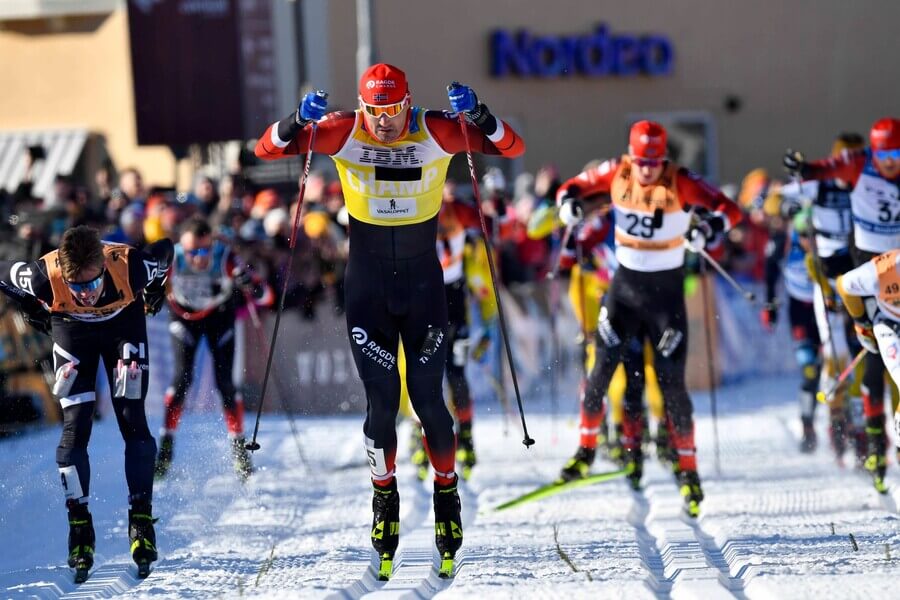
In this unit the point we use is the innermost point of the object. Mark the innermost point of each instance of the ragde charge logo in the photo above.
(372, 350)
(382, 83)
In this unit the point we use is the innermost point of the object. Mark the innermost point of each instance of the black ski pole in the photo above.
(711, 369)
(252, 445)
(527, 440)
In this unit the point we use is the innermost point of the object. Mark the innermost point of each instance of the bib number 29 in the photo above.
(640, 226)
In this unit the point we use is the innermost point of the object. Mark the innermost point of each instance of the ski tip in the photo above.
(385, 568)
(81, 575)
(447, 564)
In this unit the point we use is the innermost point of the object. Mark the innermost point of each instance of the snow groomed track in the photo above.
(775, 523)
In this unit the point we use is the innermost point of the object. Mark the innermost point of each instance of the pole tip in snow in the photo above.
(252, 446)
(528, 441)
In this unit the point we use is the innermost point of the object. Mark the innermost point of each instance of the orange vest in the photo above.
(116, 263)
(888, 281)
(630, 195)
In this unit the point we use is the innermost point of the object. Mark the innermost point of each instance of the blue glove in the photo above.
(312, 107)
(462, 97)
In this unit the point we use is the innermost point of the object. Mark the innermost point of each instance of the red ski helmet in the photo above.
(383, 84)
(885, 134)
(647, 140)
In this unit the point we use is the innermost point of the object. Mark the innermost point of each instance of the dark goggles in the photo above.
(87, 286)
(199, 252)
(647, 162)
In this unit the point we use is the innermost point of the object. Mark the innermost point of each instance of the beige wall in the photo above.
(76, 72)
(805, 69)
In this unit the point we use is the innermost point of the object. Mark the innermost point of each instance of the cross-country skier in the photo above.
(879, 329)
(206, 284)
(874, 174)
(392, 159)
(589, 281)
(786, 255)
(826, 206)
(96, 294)
(651, 197)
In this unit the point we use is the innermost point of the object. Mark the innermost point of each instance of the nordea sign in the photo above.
(597, 54)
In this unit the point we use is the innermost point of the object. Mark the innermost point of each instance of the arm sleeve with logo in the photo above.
(503, 141)
(856, 284)
(29, 277)
(286, 137)
(592, 182)
(144, 265)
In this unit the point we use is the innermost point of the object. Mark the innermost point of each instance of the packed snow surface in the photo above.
(775, 523)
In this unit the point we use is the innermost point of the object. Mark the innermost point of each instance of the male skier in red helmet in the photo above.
(653, 201)
(392, 159)
(874, 175)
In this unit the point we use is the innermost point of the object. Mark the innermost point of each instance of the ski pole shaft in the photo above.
(553, 274)
(710, 366)
(286, 273)
(528, 441)
(747, 294)
(828, 395)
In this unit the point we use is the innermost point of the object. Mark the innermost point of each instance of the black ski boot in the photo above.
(164, 456)
(634, 466)
(448, 533)
(81, 540)
(142, 537)
(579, 465)
(385, 526)
(808, 442)
(242, 464)
(689, 486)
(876, 462)
(465, 450)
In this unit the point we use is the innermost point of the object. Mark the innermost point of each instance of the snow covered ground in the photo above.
(775, 524)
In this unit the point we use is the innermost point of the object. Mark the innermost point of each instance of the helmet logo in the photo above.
(383, 83)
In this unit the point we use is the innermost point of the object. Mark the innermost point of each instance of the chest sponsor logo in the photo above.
(405, 156)
(371, 350)
(393, 208)
(21, 277)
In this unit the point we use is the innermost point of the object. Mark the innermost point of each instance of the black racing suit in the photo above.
(643, 305)
(394, 288)
(80, 341)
